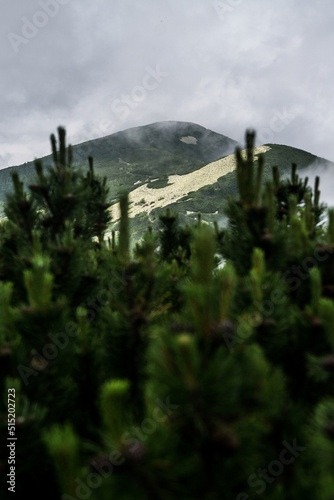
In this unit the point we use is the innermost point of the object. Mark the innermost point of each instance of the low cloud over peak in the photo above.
(103, 67)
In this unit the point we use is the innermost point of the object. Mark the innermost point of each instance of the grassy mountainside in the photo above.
(168, 164)
(209, 198)
(139, 154)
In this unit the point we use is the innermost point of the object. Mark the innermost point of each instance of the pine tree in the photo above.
(154, 373)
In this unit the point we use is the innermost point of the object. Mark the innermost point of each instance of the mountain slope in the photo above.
(169, 164)
(180, 186)
(204, 190)
(139, 154)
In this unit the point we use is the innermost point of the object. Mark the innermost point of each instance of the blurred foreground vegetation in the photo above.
(198, 365)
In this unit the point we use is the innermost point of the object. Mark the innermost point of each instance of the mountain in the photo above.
(179, 165)
(152, 151)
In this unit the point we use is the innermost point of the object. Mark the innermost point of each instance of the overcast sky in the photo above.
(97, 67)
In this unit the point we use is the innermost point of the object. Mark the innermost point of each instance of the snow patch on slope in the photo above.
(189, 139)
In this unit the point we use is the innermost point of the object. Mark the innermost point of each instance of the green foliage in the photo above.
(155, 370)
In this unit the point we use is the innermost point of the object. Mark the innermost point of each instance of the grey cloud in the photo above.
(326, 184)
(225, 72)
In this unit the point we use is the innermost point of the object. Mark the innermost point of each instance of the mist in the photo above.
(97, 68)
(325, 171)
